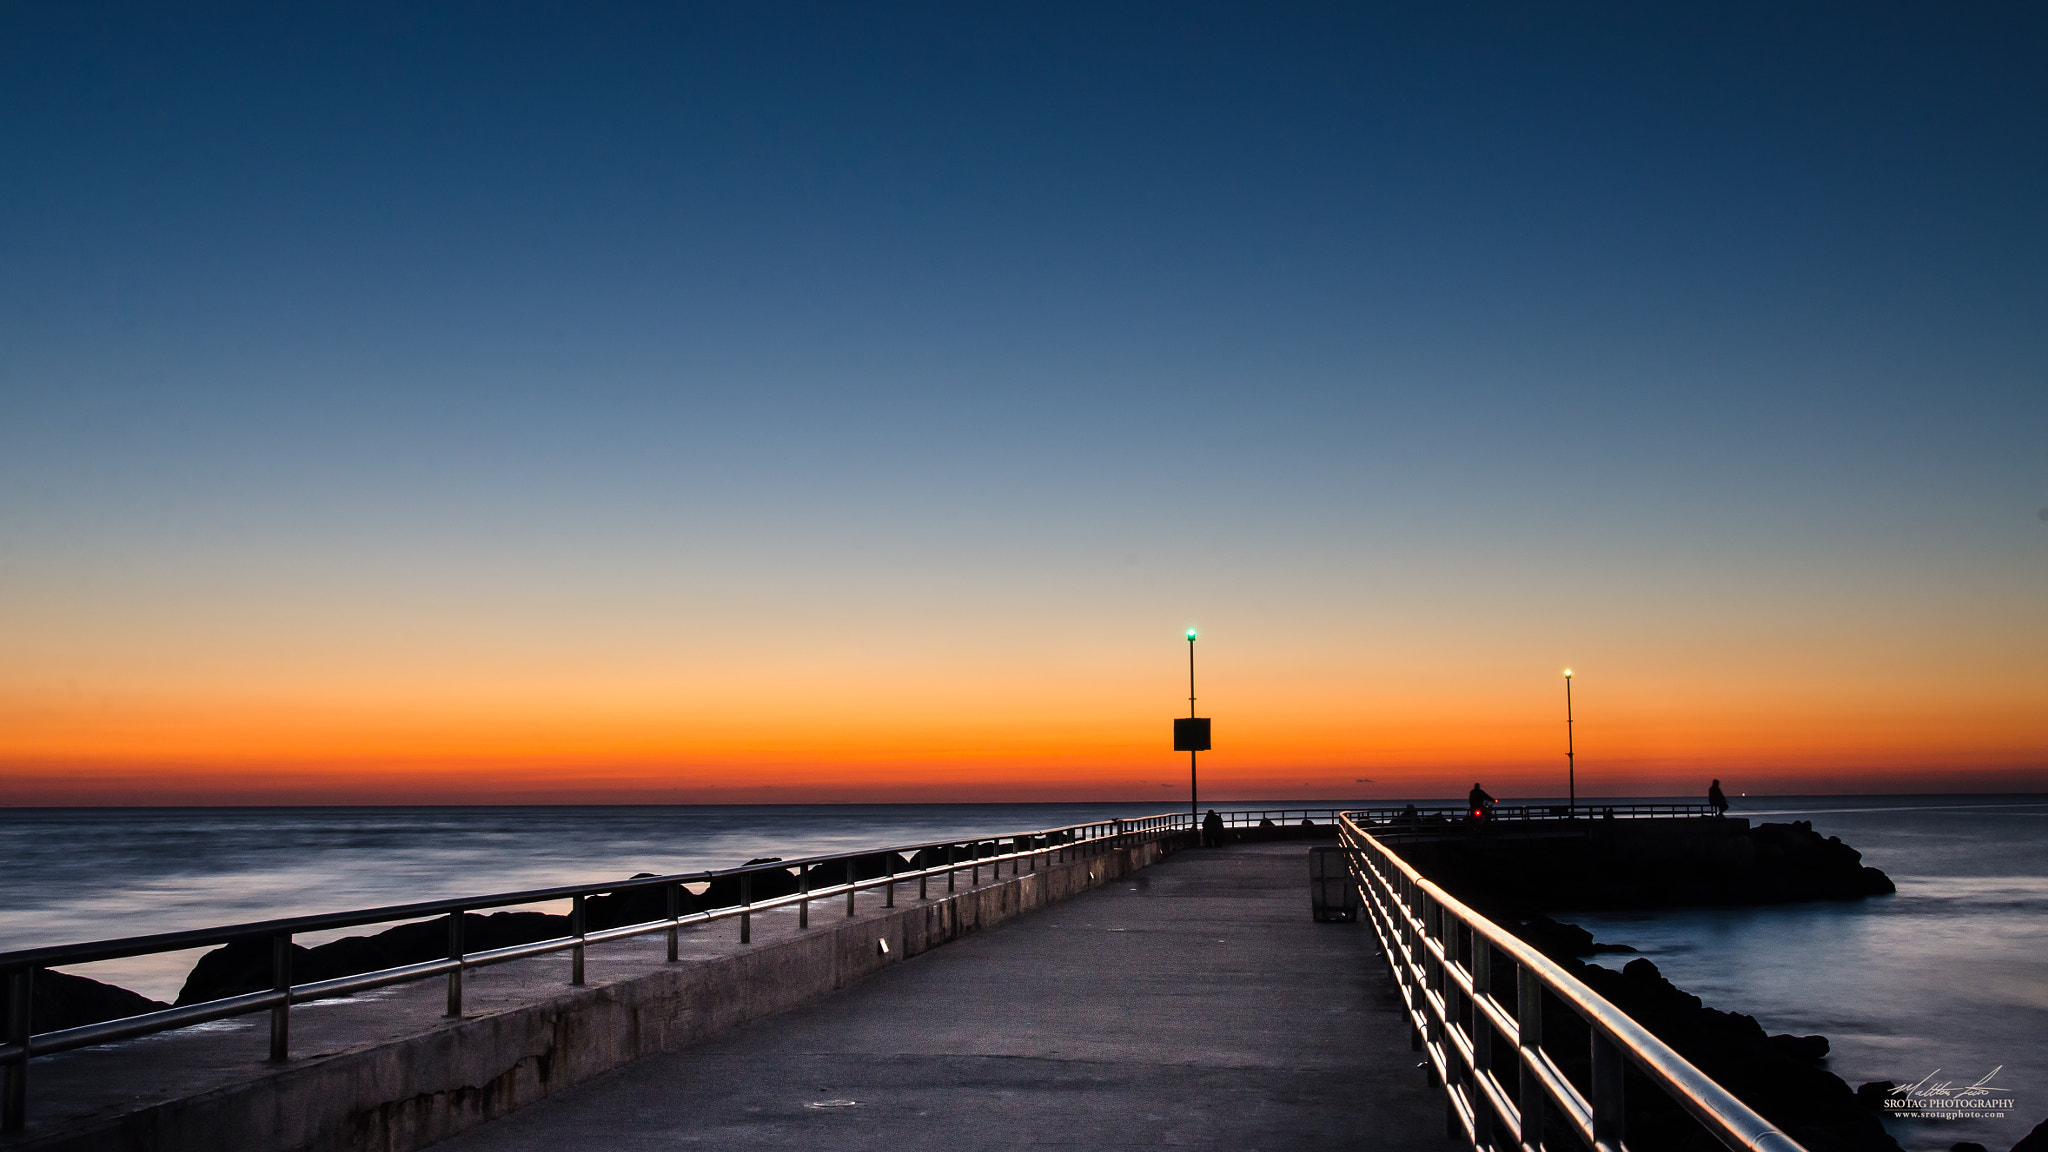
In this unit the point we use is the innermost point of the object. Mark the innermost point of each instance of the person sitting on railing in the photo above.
(1716, 799)
(1480, 804)
(1212, 830)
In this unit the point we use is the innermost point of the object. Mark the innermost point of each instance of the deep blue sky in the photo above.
(913, 316)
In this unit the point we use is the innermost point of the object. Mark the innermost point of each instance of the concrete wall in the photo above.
(405, 1095)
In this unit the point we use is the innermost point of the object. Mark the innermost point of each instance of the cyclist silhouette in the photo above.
(1479, 802)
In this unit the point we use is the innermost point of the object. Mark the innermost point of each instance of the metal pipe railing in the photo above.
(20, 1045)
(1412, 818)
(1441, 953)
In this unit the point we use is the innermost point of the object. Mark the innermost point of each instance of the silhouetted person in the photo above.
(1212, 829)
(1479, 802)
(1410, 816)
(1715, 799)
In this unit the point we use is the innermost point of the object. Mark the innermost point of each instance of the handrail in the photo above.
(1419, 926)
(118, 948)
(18, 1046)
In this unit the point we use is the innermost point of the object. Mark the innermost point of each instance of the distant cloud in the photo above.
(1362, 779)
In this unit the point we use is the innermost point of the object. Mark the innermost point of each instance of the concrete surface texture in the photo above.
(1193, 1003)
(385, 1071)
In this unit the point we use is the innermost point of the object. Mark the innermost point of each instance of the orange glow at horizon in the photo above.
(1281, 733)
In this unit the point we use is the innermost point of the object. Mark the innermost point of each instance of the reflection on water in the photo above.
(1951, 973)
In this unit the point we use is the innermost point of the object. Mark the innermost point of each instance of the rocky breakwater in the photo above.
(1518, 877)
(62, 1000)
(1707, 861)
(244, 965)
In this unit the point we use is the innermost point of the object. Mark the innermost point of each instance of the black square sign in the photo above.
(1191, 734)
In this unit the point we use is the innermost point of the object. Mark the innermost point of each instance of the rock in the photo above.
(768, 883)
(1805, 1049)
(872, 867)
(1812, 1105)
(2035, 1141)
(616, 910)
(1884, 1098)
(1967, 1146)
(244, 965)
(1562, 941)
(59, 1000)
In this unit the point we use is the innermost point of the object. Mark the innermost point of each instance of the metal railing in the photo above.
(1490, 1057)
(1395, 819)
(1282, 817)
(971, 855)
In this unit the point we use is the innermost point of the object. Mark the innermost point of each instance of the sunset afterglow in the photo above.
(861, 409)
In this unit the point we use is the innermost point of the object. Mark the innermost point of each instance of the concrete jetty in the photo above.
(1191, 1003)
(1154, 992)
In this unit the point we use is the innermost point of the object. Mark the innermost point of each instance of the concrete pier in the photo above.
(1191, 1003)
(1130, 995)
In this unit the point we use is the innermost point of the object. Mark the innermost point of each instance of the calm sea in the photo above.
(1951, 974)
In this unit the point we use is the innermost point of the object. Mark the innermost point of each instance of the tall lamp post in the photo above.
(1191, 735)
(1571, 768)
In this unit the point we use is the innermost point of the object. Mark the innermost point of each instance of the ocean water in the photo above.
(1948, 979)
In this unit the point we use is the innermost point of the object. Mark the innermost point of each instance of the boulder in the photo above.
(244, 965)
(2035, 1141)
(59, 1000)
(768, 883)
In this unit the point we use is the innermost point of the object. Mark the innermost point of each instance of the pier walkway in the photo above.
(1193, 1002)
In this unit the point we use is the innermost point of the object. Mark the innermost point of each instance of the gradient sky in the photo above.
(473, 402)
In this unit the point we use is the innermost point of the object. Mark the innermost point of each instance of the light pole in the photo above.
(1571, 768)
(1193, 806)
(1192, 734)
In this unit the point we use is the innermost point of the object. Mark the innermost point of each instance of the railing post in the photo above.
(851, 880)
(1482, 1040)
(974, 870)
(1454, 1068)
(1609, 1115)
(576, 923)
(281, 981)
(1433, 981)
(675, 912)
(455, 954)
(803, 888)
(924, 863)
(746, 899)
(1529, 1027)
(889, 901)
(950, 870)
(14, 1103)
